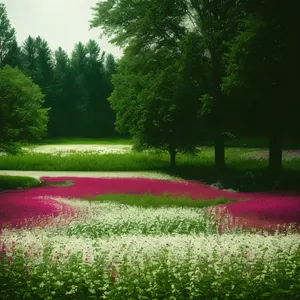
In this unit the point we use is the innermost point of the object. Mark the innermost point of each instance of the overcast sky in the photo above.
(61, 22)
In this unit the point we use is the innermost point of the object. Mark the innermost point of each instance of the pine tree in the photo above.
(9, 50)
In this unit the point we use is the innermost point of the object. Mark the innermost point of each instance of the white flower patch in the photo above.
(217, 250)
(137, 245)
(64, 150)
(109, 218)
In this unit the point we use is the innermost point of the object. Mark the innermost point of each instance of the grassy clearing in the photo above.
(122, 162)
(148, 200)
(14, 182)
(83, 162)
(117, 251)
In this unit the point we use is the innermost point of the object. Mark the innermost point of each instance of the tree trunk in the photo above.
(172, 152)
(219, 152)
(275, 151)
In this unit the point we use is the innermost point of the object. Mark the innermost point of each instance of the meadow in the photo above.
(133, 238)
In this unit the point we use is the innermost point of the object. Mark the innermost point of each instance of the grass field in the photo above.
(90, 161)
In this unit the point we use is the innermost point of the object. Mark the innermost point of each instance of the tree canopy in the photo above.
(22, 117)
(159, 104)
(248, 45)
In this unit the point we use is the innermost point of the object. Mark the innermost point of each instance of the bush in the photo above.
(14, 182)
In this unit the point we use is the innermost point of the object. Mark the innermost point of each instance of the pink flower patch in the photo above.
(258, 209)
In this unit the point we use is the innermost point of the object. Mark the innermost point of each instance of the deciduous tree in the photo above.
(22, 117)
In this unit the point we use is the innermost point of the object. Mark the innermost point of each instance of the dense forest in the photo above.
(76, 86)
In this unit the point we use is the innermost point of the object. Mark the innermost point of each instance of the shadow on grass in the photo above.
(241, 179)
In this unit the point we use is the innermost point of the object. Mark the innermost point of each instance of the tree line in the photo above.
(75, 87)
(195, 68)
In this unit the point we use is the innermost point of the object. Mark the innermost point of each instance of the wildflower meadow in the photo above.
(79, 238)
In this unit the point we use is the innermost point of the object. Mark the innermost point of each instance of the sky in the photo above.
(60, 22)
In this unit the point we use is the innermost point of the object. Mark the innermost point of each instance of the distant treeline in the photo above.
(76, 87)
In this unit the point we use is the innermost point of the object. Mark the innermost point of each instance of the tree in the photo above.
(216, 21)
(261, 69)
(110, 66)
(29, 57)
(80, 92)
(95, 81)
(159, 104)
(37, 62)
(145, 23)
(22, 117)
(44, 64)
(62, 109)
(91, 88)
(151, 25)
(9, 50)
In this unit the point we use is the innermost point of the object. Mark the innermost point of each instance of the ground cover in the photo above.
(260, 209)
(14, 182)
(110, 250)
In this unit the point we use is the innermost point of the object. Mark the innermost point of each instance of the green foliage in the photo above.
(21, 116)
(151, 27)
(14, 182)
(259, 59)
(29, 57)
(159, 107)
(9, 49)
(142, 23)
(110, 67)
(75, 87)
(207, 104)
